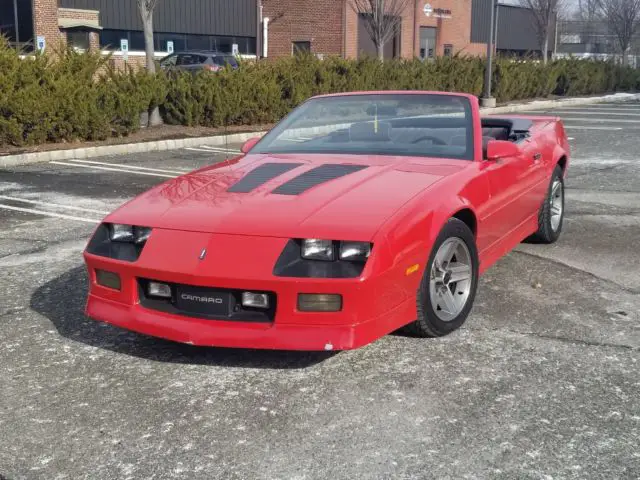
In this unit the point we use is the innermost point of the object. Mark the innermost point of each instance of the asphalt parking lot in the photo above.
(543, 381)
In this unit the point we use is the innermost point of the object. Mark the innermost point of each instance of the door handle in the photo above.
(537, 157)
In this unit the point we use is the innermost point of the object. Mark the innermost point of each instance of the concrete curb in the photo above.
(123, 149)
(563, 102)
(163, 145)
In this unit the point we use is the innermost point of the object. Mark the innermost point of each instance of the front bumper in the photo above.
(273, 336)
(373, 305)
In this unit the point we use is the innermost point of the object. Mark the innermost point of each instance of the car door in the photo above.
(190, 62)
(511, 182)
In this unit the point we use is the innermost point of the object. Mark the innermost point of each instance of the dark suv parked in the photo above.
(194, 61)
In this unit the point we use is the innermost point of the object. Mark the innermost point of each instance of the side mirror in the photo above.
(249, 144)
(497, 149)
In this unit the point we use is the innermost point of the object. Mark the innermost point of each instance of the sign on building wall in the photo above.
(41, 42)
(429, 11)
(124, 48)
(170, 49)
(235, 49)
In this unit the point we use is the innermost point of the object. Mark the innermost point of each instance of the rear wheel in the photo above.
(551, 216)
(449, 282)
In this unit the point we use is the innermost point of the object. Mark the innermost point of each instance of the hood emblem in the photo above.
(203, 254)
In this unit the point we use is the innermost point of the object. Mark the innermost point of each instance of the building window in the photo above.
(198, 42)
(301, 48)
(161, 40)
(78, 39)
(136, 41)
(448, 50)
(428, 37)
(110, 40)
(223, 44)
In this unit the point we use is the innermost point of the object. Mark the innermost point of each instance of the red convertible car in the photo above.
(358, 214)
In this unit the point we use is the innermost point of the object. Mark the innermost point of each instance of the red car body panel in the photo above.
(399, 204)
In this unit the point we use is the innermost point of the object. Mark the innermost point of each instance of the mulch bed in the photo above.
(164, 132)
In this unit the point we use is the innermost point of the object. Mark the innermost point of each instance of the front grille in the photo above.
(209, 303)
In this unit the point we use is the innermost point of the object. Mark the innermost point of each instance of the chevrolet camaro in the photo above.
(357, 215)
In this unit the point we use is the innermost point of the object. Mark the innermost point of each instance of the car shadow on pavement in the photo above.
(62, 301)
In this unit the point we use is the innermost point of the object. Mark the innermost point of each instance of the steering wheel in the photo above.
(436, 140)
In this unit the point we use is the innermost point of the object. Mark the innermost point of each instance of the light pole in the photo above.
(487, 100)
(258, 29)
(15, 19)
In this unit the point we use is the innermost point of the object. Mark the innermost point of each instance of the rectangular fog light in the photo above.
(310, 302)
(108, 279)
(255, 300)
(157, 289)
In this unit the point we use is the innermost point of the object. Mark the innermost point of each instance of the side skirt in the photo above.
(499, 249)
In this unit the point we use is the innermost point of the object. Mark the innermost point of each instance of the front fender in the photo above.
(410, 239)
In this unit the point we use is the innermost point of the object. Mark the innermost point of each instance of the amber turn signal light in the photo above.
(311, 302)
(108, 279)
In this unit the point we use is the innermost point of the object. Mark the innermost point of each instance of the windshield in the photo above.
(376, 124)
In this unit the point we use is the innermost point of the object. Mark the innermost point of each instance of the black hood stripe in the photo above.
(317, 176)
(261, 175)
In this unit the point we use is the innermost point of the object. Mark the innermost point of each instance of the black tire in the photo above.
(546, 233)
(428, 324)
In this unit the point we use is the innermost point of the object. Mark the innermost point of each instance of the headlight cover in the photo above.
(316, 249)
(119, 241)
(316, 258)
(355, 251)
(129, 233)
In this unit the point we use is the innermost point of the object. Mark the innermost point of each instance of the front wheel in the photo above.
(449, 282)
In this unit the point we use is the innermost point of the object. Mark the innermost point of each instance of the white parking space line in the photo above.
(617, 106)
(48, 214)
(119, 170)
(52, 205)
(219, 149)
(602, 113)
(599, 120)
(590, 127)
(130, 167)
(196, 149)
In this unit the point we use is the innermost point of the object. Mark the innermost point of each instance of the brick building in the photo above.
(332, 27)
(428, 28)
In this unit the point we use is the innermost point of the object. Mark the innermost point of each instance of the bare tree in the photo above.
(622, 18)
(544, 13)
(382, 19)
(589, 14)
(588, 10)
(146, 8)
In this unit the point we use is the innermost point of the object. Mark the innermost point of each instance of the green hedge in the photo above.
(69, 96)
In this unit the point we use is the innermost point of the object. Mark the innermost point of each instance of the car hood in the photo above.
(349, 198)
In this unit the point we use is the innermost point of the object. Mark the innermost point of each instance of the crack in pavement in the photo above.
(558, 262)
(571, 341)
(595, 170)
(38, 247)
(593, 190)
(619, 214)
(11, 311)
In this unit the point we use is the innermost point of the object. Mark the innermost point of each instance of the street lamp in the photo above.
(259, 39)
(487, 100)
